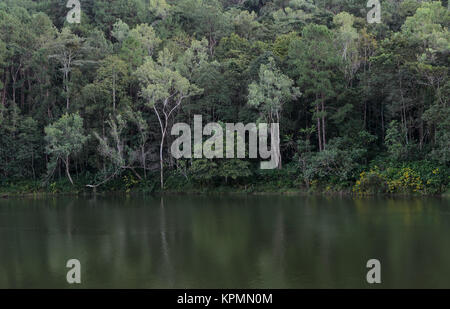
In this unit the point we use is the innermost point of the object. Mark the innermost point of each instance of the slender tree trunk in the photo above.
(324, 140)
(4, 87)
(22, 90)
(410, 127)
(163, 127)
(66, 86)
(13, 88)
(28, 82)
(163, 134)
(32, 166)
(143, 161)
(67, 170)
(365, 113)
(114, 92)
(14, 78)
(404, 121)
(280, 164)
(67, 70)
(319, 133)
(103, 130)
(382, 122)
(161, 158)
(421, 130)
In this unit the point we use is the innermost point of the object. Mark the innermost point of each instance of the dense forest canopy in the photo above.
(359, 105)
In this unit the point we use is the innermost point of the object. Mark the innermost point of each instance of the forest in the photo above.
(363, 108)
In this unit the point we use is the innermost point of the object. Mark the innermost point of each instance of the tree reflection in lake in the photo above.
(224, 241)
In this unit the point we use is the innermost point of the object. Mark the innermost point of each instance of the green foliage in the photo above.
(271, 91)
(371, 182)
(161, 81)
(371, 94)
(205, 18)
(422, 177)
(206, 171)
(395, 141)
(338, 163)
(64, 138)
(405, 180)
(30, 146)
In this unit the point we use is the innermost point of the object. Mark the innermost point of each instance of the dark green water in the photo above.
(224, 242)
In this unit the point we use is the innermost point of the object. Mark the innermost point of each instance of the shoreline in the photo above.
(287, 192)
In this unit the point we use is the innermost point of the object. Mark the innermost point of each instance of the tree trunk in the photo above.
(319, 134)
(32, 165)
(382, 122)
(4, 87)
(66, 77)
(365, 113)
(403, 110)
(421, 128)
(324, 140)
(143, 161)
(13, 88)
(280, 164)
(22, 90)
(161, 158)
(67, 170)
(114, 92)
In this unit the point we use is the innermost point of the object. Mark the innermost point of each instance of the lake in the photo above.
(230, 241)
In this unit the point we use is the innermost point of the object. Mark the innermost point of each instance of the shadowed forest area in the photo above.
(362, 108)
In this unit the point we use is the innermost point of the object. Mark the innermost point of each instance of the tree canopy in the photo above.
(347, 94)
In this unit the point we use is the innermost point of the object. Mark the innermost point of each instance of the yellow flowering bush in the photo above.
(406, 181)
(371, 182)
(130, 182)
(434, 182)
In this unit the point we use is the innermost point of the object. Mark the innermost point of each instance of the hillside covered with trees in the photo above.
(362, 107)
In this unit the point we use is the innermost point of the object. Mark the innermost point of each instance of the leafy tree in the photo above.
(429, 28)
(245, 23)
(115, 146)
(347, 38)
(146, 36)
(164, 90)
(313, 59)
(30, 150)
(159, 8)
(67, 50)
(65, 138)
(271, 92)
(112, 77)
(120, 31)
(394, 141)
(206, 18)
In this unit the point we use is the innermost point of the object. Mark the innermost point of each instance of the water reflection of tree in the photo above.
(198, 242)
(164, 243)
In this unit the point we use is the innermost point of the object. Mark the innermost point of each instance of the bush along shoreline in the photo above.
(421, 178)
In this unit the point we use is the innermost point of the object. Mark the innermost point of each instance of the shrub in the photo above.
(407, 180)
(371, 182)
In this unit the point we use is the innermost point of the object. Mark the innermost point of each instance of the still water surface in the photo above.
(224, 242)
